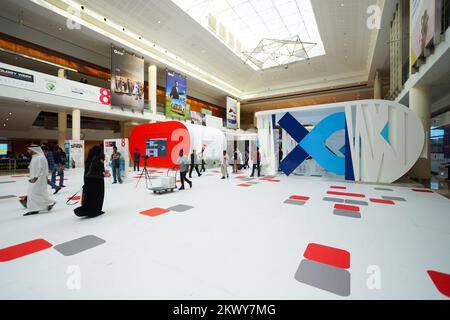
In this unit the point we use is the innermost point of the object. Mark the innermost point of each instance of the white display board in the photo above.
(213, 140)
(40, 82)
(75, 154)
(122, 147)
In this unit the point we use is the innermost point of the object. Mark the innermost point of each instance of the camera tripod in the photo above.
(145, 173)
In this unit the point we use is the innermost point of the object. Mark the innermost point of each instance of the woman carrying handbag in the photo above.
(94, 185)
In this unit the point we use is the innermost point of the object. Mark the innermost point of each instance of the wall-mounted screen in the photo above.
(156, 148)
(3, 149)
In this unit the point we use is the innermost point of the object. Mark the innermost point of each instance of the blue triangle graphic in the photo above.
(385, 132)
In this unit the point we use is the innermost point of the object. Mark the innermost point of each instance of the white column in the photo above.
(62, 128)
(420, 104)
(377, 87)
(238, 114)
(76, 124)
(152, 71)
(62, 118)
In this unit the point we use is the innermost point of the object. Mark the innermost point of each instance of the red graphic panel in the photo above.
(383, 201)
(328, 255)
(244, 185)
(441, 281)
(176, 134)
(301, 198)
(336, 193)
(154, 212)
(23, 249)
(346, 207)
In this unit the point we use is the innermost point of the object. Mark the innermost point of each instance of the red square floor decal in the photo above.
(154, 212)
(441, 281)
(346, 207)
(382, 201)
(338, 187)
(74, 198)
(23, 249)
(244, 185)
(272, 180)
(301, 198)
(422, 190)
(346, 194)
(241, 177)
(328, 255)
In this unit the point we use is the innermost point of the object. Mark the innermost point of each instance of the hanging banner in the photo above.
(176, 95)
(425, 24)
(21, 78)
(127, 80)
(198, 118)
(122, 148)
(231, 113)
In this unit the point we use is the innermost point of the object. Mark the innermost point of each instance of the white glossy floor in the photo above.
(236, 243)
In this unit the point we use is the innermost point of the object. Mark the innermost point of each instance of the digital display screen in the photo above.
(3, 149)
(156, 148)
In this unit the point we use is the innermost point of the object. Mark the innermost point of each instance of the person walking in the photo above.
(137, 158)
(37, 196)
(256, 162)
(246, 159)
(115, 164)
(224, 165)
(58, 169)
(194, 164)
(201, 157)
(94, 184)
(235, 159)
(183, 161)
(51, 166)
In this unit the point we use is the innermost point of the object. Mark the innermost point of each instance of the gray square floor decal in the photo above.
(357, 202)
(3, 182)
(248, 179)
(295, 202)
(249, 182)
(7, 197)
(333, 199)
(325, 277)
(383, 189)
(73, 247)
(393, 198)
(349, 214)
(180, 208)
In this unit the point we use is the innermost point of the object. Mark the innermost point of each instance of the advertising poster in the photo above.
(198, 118)
(425, 23)
(75, 153)
(127, 80)
(17, 77)
(207, 112)
(176, 95)
(122, 147)
(231, 113)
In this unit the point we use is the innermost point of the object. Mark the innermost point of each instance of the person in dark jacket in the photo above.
(49, 155)
(137, 158)
(94, 184)
(194, 164)
(58, 169)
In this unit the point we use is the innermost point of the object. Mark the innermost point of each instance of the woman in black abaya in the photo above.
(94, 184)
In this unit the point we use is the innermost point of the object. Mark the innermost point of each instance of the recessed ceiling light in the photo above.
(159, 22)
(7, 119)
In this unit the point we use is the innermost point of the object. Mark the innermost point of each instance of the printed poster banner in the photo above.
(176, 95)
(75, 153)
(127, 80)
(231, 113)
(13, 76)
(198, 118)
(122, 147)
(425, 23)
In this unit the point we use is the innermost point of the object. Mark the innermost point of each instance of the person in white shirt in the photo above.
(224, 165)
(37, 196)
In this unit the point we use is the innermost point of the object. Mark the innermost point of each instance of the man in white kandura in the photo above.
(37, 197)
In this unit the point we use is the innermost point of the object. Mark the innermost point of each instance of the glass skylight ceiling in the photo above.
(246, 26)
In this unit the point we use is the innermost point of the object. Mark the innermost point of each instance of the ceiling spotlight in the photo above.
(159, 22)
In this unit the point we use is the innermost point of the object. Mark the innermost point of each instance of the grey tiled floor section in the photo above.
(73, 247)
(325, 277)
(3, 182)
(180, 208)
(384, 189)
